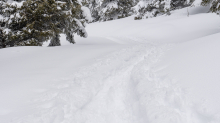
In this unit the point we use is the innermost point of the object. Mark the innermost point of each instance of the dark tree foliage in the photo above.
(55, 41)
(153, 8)
(214, 5)
(35, 22)
(177, 4)
(115, 9)
(94, 6)
(5, 12)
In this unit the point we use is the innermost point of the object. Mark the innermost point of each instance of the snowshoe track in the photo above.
(122, 87)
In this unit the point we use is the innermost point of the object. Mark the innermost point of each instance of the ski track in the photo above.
(123, 87)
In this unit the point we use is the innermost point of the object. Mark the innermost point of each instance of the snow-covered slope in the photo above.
(159, 70)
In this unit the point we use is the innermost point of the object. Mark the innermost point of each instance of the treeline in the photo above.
(142, 9)
(32, 22)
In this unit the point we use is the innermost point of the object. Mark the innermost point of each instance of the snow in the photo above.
(140, 4)
(197, 68)
(14, 3)
(160, 70)
(1, 17)
(110, 5)
(6, 30)
(86, 13)
(197, 2)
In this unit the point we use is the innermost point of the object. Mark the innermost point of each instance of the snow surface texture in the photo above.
(159, 70)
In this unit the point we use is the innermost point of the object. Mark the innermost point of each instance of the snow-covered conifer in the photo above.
(35, 22)
(114, 9)
(153, 8)
(177, 4)
(5, 12)
(32, 23)
(75, 22)
(2, 40)
(94, 6)
(214, 5)
(55, 41)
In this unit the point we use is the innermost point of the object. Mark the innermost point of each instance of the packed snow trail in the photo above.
(122, 87)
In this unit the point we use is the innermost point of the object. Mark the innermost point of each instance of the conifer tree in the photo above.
(2, 40)
(5, 33)
(114, 9)
(55, 41)
(177, 4)
(94, 6)
(214, 5)
(40, 20)
(153, 8)
(75, 21)
(30, 24)
(56, 20)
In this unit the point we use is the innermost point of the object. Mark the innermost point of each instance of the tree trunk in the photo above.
(55, 41)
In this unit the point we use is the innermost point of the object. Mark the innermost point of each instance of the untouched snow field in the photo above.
(159, 70)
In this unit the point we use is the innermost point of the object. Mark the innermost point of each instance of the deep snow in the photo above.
(159, 70)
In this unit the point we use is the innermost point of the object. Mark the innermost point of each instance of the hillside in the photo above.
(158, 70)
